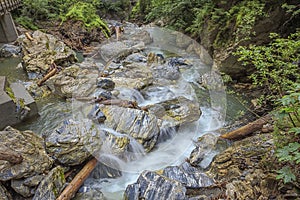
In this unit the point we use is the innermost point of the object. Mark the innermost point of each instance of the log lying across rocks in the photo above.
(247, 129)
(51, 73)
(78, 180)
(10, 156)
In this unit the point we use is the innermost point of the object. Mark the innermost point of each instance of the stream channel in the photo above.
(198, 82)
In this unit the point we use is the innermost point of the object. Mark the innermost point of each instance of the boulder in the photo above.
(166, 71)
(31, 147)
(74, 142)
(133, 75)
(70, 143)
(151, 185)
(42, 51)
(112, 49)
(51, 186)
(26, 186)
(136, 123)
(188, 176)
(9, 50)
(176, 112)
(169, 183)
(207, 147)
(105, 84)
(73, 81)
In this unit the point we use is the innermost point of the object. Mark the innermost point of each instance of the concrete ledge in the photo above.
(20, 92)
(10, 112)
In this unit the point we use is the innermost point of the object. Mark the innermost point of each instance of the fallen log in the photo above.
(70, 191)
(51, 73)
(10, 156)
(28, 36)
(247, 129)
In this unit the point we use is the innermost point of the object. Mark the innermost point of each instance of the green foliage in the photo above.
(286, 133)
(239, 19)
(278, 72)
(276, 64)
(176, 13)
(202, 14)
(286, 174)
(86, 12)
(294, 9)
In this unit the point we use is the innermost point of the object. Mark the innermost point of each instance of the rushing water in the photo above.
(174, 146)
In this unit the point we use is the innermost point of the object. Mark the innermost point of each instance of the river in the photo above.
(218, 109)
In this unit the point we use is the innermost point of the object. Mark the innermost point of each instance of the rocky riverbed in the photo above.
(125, 100)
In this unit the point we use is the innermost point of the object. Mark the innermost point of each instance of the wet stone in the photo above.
(151, 185)
(207, 147)
(106, 84)
(166, 72)
(96, 115)
(86, 193)
(133, 122)
(31, 147)
(188, 176)
(107, 167)
(8, 50)
(51, 186)
(68, 144)
(177, 111)
(73, 82)
(26, 187)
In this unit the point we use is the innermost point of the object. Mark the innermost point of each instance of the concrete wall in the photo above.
(8, 32)
(10, 112)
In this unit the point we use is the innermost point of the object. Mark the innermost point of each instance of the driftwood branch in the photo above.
(28, 36)
(247, 129)
(78, 180)
(51, 73)
(10, 155)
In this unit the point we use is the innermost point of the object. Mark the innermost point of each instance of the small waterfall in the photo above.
(166, 133)
(135, 150)
(109, 166)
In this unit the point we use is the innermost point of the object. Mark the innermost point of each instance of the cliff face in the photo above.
(221, 37)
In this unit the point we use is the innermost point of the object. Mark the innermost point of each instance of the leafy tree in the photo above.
(276, 64)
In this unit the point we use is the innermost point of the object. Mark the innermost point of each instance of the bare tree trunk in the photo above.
(51, 73)
(78, 180)
(247, 129)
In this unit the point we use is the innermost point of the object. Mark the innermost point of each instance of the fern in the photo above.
(86, 12)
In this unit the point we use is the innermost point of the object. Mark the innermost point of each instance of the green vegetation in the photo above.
(276, 65)
(233, 25)
(278, 72)
(176, 13)
(86, 12)
(34, 11)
